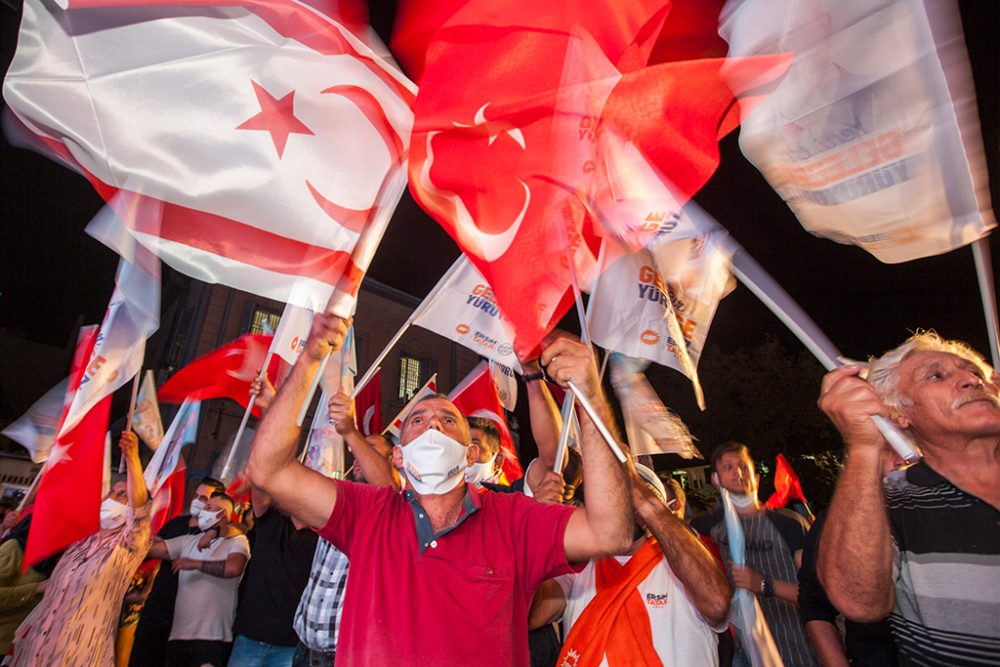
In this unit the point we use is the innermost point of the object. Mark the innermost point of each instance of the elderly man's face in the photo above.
(435, 413)
(943, 395)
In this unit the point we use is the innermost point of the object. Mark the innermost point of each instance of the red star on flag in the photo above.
(276, 116)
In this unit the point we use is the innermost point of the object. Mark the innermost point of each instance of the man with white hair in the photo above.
(924, 545)
(663, 602)
(447, 574)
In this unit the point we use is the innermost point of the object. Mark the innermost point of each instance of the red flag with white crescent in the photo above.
(476, 396)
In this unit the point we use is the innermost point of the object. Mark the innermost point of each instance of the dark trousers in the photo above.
(306, 657)
(198, 652)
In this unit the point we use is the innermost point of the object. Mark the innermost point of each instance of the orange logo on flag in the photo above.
(649, 337)
(462, 328)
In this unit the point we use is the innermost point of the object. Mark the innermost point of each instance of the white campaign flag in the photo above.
(872, 138)
(35, 430)
(506, 382)
(132, 316)
(146, 420)
(464, 309)
(650, 427)
(293, 331)
(324, 451)
(183, 430)
(259, 145)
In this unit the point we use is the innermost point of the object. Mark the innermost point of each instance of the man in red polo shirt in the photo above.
(442, 576)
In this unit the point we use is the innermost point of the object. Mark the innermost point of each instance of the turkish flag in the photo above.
(476, 396)
(209, 128)
(368, 406)
(67, 504)
(786, 485)
(168, 501)
(222, 373)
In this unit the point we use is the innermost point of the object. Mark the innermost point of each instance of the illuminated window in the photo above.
(409, 377)
(263, 321)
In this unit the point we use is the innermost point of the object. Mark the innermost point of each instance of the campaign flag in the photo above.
(324, 451)
(36, 429)
(293, 332)
(873, 137)
(506, 383)
(464, 309)
(786, 485)
(651, 428)
(146, 420)
(67, 504)
(168, 501)
(368, 406)
(745, 614)
(225, 372)
(214, 124)
(476, 396)
(396, 425)
(132, 316)
(183, 431)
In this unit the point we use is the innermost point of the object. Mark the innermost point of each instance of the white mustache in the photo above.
(975, 396)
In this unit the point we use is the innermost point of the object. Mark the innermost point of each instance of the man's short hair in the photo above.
(883, 373)
(728, 448)
(489, 429)
(222, 495)
(431, 397)
(216, 486)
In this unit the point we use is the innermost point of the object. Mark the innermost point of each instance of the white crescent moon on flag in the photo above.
(492, 416)
(366, 425)
(488, 247)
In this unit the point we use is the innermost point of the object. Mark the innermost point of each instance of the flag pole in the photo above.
(131, 413)
(987, 290)
(32, 490)
(246, 413)
(417, 312)
(779, 302)
(594, 417)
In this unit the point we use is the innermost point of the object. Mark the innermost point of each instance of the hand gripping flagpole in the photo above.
(984, 272)
(778, 301)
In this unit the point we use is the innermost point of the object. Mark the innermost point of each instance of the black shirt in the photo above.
(276, 575)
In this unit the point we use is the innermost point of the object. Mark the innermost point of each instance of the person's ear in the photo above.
(397, 457)
(899, 419)
(471, 454)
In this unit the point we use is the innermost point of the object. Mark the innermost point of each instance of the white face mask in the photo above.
(112, 514)
(743, 500)
(208, 518)
(478, 473)
(196, 507)
(434, 463)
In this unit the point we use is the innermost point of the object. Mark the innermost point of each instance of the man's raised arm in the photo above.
(273, 467)
(855, 551)
(604, 527)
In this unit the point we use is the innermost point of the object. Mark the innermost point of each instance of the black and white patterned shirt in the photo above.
(317, 619)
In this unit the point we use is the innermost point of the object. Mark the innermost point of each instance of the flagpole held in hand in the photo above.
(778, 301)
(567, 421)
(247, 412)
(594, 417)
(984, 272)
(131, 413)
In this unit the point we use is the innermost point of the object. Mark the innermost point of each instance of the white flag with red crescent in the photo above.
(257, 143)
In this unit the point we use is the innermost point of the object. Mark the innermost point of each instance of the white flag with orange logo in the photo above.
(464, 309)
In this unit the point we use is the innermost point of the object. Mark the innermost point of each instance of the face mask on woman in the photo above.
(112, 514)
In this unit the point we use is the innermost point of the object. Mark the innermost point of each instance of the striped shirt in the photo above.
(772, 538)
(946, 569)
(317, 619)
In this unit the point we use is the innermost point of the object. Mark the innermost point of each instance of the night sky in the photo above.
(53, 276)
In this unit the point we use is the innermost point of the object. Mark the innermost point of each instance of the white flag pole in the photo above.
(567, 419)
(406, 325)
(32, 490)
(246, 413)
(987, 290)
(131, 413)
(594, 417)
(777, 300)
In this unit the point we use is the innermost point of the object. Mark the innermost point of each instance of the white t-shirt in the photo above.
(206, 605)
(680, 635)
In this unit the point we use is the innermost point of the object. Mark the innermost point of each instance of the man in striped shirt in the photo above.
(925, 543)
(774, 541)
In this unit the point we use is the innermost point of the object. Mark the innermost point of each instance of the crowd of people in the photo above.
(423, 558)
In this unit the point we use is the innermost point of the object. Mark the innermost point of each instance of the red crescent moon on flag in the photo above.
(356, 219)
(488, 247)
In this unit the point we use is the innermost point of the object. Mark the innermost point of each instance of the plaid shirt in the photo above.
(317, 618)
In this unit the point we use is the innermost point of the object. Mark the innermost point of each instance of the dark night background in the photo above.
(758, 380)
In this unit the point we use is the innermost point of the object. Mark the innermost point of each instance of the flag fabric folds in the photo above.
(786, 485)
(146, 420)
(368, 406)
(214, 124)
(36, 429)
(324, 451)
(872, 138)
(222, 373)
(476, 396)
(464, 309)
(165, 461)
(506, 384)
(67, 504)
(168, 501)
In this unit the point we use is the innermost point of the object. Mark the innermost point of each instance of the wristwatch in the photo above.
(767, 586)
